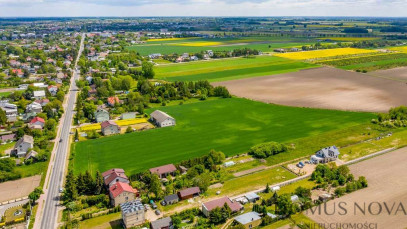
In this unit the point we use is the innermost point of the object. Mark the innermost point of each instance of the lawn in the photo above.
(229, 69)
(102, 222)
(33, 169)
(228, 125)
(9, 214)
(253, 181)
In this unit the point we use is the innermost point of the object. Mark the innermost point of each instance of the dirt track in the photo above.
(387, 184)
(324, 87)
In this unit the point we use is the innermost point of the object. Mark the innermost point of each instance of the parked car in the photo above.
(153, 204)
(147, 207)
(163, 203)
(157, 212)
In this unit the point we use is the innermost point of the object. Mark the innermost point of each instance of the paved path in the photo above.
(3, 208)
(48, 204)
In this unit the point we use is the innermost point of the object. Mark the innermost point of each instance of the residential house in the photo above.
(53, 90)
(8, 138)
(164, 223)
(23, 145)
(33, 107)
(189, 193)
(111, 101)
(11, 111)
(248, 220)
(325, 155)
(121, 193)
(133, 213)
(171, 199)
(112, 176)
(162, 119)
(128, 115)
(219, 203)
(39, 94)
(164, 171)
(31, 155)
(42, 102)
(37, 123)
(109, 128)
(101, 115)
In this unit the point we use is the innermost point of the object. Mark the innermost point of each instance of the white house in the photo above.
(325, 155)
(33, 107)
(23, 145)
(39, 94)
(162, 119)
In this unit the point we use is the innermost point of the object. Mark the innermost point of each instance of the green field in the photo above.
(229, 69)
(229, 125)
(170, 47)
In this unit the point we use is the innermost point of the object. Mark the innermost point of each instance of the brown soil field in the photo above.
(323, 87)
(12, 190)
(387, 183)
(399, 74)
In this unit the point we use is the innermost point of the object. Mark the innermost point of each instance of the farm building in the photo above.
(164, 171)
(121, 193)
(162, 119)
(128, 115)
(171, 199)
(219, 203)
(102, 115)
(112, 176)
(23, 145)
(189, 193)
(252, 197)
(164, 223)
(133, 213)
(325, 155)
(109, 128)
(248, 220)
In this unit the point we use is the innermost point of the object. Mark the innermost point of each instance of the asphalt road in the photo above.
(50, 213)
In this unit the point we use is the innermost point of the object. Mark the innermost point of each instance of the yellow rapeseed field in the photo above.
(125, 122)
(323, 53)
(200, 44)
(400, 48)
(168, 39)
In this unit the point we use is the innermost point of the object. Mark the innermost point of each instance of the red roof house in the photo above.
(164, 171)
(219, 203)
(112, 100)
(113, 176)
(189, 193)
(37, 122)
(121, 193)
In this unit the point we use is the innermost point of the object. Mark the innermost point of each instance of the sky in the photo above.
(124, 8)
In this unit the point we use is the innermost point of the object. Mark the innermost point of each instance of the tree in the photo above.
(155, 185)
(285, 206)
(70, 192)
(129, 129)
(3, 117)
(303, 192)
(267, 190)
(35, 195)
(148, 70)
(61, 96)
(76, 134)
(98, 183)
(203, 181)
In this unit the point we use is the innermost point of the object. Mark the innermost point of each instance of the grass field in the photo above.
(229, 69)
(102, 222)
(324, 53)
(229, 125)
(193, 45)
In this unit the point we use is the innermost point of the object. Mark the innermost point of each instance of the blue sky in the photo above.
(379, 8)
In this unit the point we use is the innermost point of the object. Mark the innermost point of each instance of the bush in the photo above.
(268, 149)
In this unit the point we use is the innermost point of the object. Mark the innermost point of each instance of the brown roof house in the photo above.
(164, 171)
(109, 128)
(23, 145)
(121, 193)
(219, 203)
(114, 175)
(189, 193)
(133, 213)
(162, 119)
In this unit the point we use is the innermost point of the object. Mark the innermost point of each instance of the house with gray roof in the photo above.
(101, 115)
(162, 119)
(133, 213)
(325, 155)
(164, 223)
(171, 199)
(23, 145)
(248, 220)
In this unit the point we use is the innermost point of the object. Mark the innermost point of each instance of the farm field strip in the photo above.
(127, 122)
(307, 55)
(204, 126)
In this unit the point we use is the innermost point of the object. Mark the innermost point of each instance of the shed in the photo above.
(189, 193)
(249, 220)
(275, 188)
(295, 198)
(229, 163)
(252, 197)
(171, 199)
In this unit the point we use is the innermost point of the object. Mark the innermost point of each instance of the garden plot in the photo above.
(325, 87)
